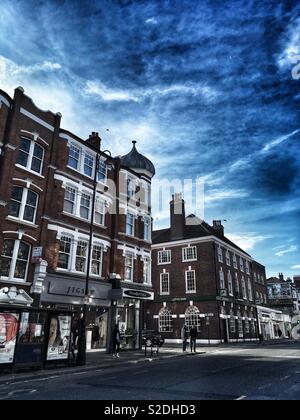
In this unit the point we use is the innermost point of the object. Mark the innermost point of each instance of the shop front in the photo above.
(128, 314)
(69, 292)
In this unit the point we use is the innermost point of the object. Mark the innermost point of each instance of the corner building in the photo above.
(201, 279)
(50, 182)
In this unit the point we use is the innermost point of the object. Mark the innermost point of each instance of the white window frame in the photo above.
(127, 256)
(222, 279)
(220, 254)
(162, 279)
(74, 146)
(14, 259)
(244, 289)
(69, 239)
(100, 205)
(230, 283)
(102, 164)
(147, 229)
(237, 283)
(185, 252)
(228, 262)
(31, 156)
(80, 242)
(89, 199)
(130, 224)
(250, 293)
(160, 257)
(193, 318)
(235, 263)
(23, 204)
(187, 280)
(89, 162)
(247, 267)
(147, 270)
(165, 320)
(75, 192)
(97, 247)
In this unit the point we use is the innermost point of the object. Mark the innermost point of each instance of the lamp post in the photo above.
(81, 355)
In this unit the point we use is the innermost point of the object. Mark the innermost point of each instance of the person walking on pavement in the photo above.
(193, 336)
(116, 341)
(184, 337)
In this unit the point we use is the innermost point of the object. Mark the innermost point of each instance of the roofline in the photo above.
(201, 239)
(6, 96)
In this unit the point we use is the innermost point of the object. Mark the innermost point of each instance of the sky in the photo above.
(209, 89)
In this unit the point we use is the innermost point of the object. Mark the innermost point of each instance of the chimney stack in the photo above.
(177, 210)
(281, 277)
(218, 227)
(94, 140)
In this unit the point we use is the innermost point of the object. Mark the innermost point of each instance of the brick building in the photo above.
(49, 187)
(201, 278)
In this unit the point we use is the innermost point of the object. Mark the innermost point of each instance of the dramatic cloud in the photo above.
(292, 248)
(205, 87)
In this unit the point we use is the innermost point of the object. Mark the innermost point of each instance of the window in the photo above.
(255, 277)
(247, 267)
(261, 298)
(244, 288)
(250, 294)
(131, 187)
(88, 164)
(192, 318)
(69, 201)
(31, 156)
(262, 280)
(128, 267)
(100, 212)
(237, 284)
(164, 257)
(222, 279)
(130, 224)
(165, 284)
(235, 264)
(64, 252)
(247, 324)
(23, 204)
(257, 298)
(228, 258)
(147, 270)
(252, 325)
(242, 264)
(74, 156)
(165, 320)
(85, 205)
(190, 253)
(102, 171)
(190, 280)
(230, 285)
(81, 255)
(14, 260)
(147, 229)
(96, 268)
(232, 323)
(220, 255)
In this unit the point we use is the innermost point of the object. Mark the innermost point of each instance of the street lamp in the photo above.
(81, 355)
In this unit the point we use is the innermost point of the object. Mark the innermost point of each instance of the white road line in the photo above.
(242, 397)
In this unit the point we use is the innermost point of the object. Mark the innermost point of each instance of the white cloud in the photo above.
(278, 141)
(8, 67)
(296, 267)
(218, 195)
(246, 241)
(292, 248)
(135, 95)
(292, 46)
(151, 21)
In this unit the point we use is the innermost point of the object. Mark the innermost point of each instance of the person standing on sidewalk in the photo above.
(184, 337)
(193, 336)
(116, 341)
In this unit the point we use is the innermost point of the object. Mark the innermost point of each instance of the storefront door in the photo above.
(128, 311)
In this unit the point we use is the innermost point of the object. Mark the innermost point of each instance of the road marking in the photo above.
(242, 397)
(140, 373)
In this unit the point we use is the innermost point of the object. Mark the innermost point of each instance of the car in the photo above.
(152, 338)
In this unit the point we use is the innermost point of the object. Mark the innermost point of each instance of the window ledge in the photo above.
(79, 273)
(193, 260)
(191, 292)
(29, 171)
(83, 219)
(166, 263)
(22, 222)
(16, 282)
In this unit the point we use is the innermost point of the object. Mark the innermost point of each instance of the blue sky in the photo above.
(206, 88)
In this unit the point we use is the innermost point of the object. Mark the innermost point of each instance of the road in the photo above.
(253, 373)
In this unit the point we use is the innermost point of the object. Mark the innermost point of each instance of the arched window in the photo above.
(165, 320)
(192, 318)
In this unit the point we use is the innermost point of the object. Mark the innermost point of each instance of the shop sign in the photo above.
(37, 253)
(138, 294)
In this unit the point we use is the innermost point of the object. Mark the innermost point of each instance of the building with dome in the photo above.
(72, 215)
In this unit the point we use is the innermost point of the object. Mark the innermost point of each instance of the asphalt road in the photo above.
(254, 373)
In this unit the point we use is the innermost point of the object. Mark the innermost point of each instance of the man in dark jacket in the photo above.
(116, 341)
(193, 336)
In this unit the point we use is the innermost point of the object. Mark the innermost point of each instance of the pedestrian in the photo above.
(279, 333)
(184, 337)
(261, 338)
(116, 341)
(193, 336)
